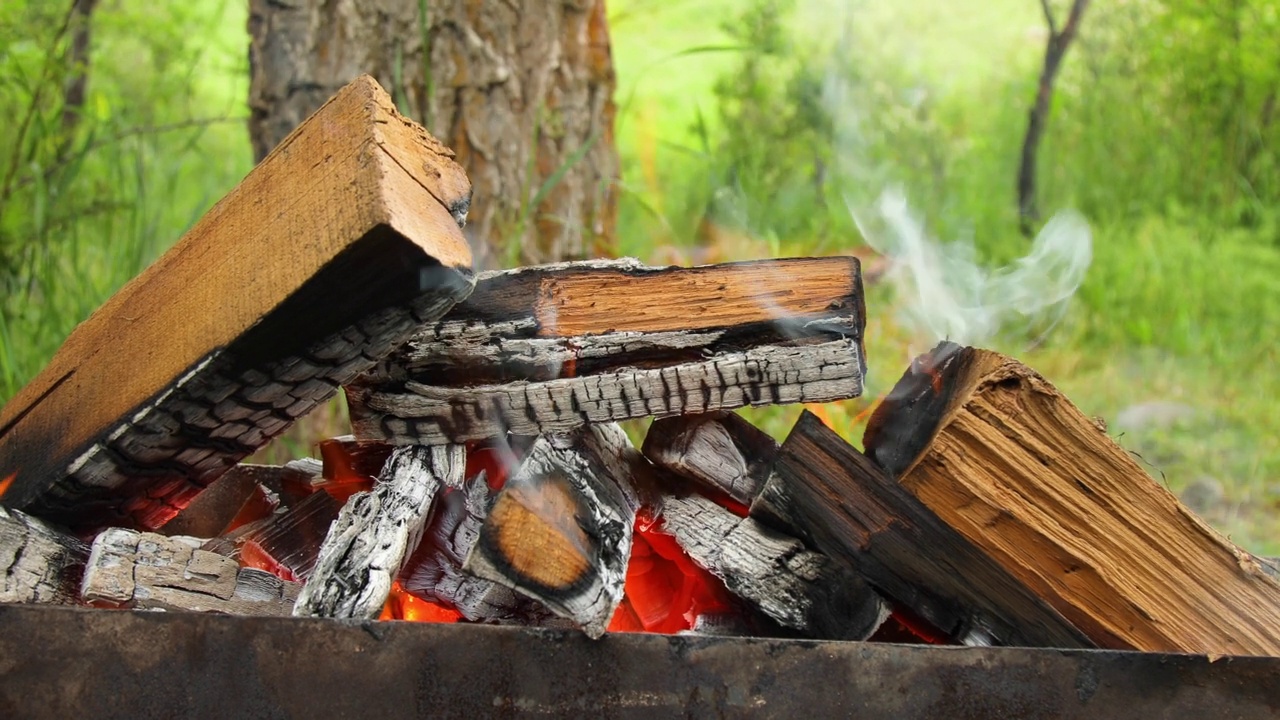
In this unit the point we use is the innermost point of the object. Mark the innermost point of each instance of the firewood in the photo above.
(719, 451)
(38, 564)
(560, 529)
(320, 262)
(548, 349)
(435, 570)
(798, 588)
(210, 513)
(845, 506)
(1000, 455)
(288, 543)
(374, 533)
(149, 571)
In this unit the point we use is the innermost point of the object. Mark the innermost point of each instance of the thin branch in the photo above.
(1048, 18)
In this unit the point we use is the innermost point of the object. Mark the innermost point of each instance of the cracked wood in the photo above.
(560, 529)
(147, 571)
(323, 259)
(551, 349)
(375, 532)
(38, 563)
(1004, 458)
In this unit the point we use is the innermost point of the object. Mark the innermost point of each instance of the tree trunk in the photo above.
(522, 92)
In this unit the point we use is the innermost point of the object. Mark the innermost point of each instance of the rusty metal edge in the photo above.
(70, 662)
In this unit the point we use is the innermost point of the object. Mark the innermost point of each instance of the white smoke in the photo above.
(947, 294)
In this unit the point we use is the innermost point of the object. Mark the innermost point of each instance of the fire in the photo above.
(665, 592)
(403, 605)
(5, 483)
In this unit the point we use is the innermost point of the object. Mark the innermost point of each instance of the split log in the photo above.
(38, 564)
(549, 349)
(434, 571)
(798, 588)
(1000, 455)
(376, 531)
(560, 529)
(844, 505)
(719, 451)
(288, 544)
(325, 258)
(148, 571)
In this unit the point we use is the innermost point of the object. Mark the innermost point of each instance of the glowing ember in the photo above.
(665, 591)
(5, 483)
(342, 473)
(402, 605)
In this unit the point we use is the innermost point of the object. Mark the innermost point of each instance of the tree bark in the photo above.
(1055, 49)
(522, 91)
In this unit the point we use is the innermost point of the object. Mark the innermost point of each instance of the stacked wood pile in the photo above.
(489, 480)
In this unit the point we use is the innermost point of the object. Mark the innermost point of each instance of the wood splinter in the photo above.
(376, 530)
(560, 529)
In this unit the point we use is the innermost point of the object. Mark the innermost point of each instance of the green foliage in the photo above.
(90, 194)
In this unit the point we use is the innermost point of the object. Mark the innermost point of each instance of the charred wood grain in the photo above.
(798, 588)
(560, 529)
(846, 506)
(38, 563)
(375, 532)
(148, 571)
(719, 451)
(335, 249)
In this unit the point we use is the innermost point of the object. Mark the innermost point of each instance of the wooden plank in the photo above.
(546, 350)
(560, 529)
(1000, 455)
(38, 563)
(844, 505)
(322, 260)
(375, 532)
(147, 571)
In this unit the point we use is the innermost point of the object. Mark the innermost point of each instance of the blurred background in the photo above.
(757, 128)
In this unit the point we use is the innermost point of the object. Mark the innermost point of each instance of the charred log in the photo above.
(547, 350)
(38, 564)
(719, 451)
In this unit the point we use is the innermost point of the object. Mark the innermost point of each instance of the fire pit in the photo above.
(489, 492)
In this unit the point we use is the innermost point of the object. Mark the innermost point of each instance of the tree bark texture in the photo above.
(522, 91)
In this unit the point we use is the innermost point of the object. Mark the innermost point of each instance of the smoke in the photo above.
(946, 294)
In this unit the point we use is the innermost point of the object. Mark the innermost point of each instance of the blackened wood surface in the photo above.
(800, 589)
(1021, 473)
(847, 507)
(204, 666)
(375, 532)
(548, 349)
(720, 451)
(560, 529)
(320, 262)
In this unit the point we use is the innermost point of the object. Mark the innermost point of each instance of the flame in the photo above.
(403, 605)
(5, 483)
(342, 479)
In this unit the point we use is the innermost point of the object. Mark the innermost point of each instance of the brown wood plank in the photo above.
(1000, 455)
(844, 505)
(323, 259)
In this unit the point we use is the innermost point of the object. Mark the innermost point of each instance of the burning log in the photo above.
(434, 571)
(320, 262)
(1000, 455)
(560, 529)
(719, 451)
(148, 571)
(844, 505)
(288, 544)
(38, 564)
(375, 532)
(798, 588)
(214, 509)
(549, 349)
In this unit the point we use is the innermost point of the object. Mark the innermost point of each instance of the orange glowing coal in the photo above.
(403, 605)
(5, 483)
